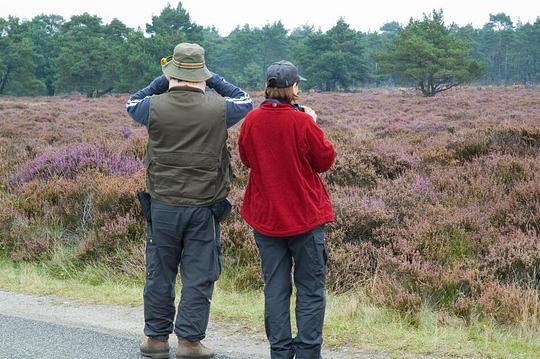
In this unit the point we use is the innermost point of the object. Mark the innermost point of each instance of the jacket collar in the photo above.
(186, 88)
(275, 103)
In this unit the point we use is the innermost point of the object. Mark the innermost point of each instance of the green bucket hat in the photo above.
(187, 63)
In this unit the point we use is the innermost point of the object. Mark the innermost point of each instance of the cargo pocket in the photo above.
(151, 254)
(218, 250)
(319, 256)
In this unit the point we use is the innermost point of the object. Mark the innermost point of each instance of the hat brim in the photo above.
(302, 78)
(191, 75)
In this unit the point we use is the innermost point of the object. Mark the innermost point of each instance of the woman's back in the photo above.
(285, 150)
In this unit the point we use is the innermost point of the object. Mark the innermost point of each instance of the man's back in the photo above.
(187, 159)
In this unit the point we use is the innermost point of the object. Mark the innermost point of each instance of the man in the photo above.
(188, 175)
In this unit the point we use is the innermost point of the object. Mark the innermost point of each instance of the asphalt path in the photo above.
(25, 338)
(52, 327)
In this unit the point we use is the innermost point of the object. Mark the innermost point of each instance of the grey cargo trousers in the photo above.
(308, 254)
(185, 237)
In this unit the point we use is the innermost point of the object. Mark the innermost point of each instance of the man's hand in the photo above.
(310, 112)
(210, 79)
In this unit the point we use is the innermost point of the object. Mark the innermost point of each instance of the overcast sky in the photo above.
(226, 15)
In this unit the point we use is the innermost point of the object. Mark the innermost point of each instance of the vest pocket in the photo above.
(186, 182)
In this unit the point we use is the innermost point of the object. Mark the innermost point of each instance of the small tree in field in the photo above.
(430, 55)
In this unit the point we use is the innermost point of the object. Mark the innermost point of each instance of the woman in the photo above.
(287, 205)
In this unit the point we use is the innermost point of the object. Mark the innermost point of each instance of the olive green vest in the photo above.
(187, 160)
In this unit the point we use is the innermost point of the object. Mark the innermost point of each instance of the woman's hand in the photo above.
(310, 112)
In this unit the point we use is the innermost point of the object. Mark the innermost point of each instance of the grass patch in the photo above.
(351, 320)
(42, 280)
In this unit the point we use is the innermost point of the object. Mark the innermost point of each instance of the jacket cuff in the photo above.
(211, 82)
(160, 85)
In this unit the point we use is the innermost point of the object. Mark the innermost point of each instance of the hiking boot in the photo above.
(154, 349)
(192, 350)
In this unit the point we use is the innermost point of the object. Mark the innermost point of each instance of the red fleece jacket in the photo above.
(285, 151)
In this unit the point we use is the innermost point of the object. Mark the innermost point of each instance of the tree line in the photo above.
(49, 55)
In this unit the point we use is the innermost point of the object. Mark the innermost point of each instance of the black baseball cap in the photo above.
(282, 74)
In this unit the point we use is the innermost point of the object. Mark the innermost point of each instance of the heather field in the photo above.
(437, 200)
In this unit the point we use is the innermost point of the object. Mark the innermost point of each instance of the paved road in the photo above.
(52, 327)
(24, 338)
(29, 339)
(55, 328)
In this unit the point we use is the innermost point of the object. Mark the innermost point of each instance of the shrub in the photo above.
(73, 160)
(31, 241)
(8, 243)
(359, 216)
(446, 245)
(518, 140)
(524, 202)
(510, 305)
(469, 148)
(112, 196)
(241, 254)
(134, 147)
(7, 213)
(352, 265)
(430, 208)
(58, 200)
(349, 169)
(514, 258)
(117, 234)
(391, 293)
(464, 308)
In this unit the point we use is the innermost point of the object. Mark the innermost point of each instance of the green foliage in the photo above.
(49, 55)
(274, 44)
(246, 53)
(171, 27)
(17, 66)
(335, 59)
(240, 50)
(510, 52)
(138, 61)
(427, 54)
(43, 32)
(173, 21)
(88, 56)
(377, 42)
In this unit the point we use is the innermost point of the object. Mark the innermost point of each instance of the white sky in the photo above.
(225, 15)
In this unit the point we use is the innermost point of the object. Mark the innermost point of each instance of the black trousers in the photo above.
(185, 237)
(308, 254)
